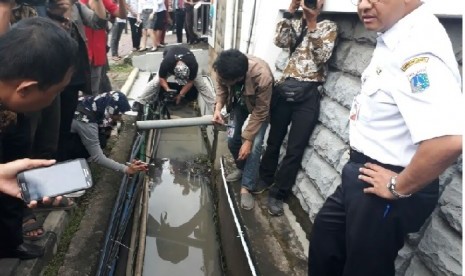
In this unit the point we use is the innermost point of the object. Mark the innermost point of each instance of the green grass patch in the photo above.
(121, 68)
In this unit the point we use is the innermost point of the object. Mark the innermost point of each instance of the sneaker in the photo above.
(236, 175)
(275, 206)
(261, 187)
(247, 201)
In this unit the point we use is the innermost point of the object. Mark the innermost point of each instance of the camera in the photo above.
(311, 4)
(170, 95)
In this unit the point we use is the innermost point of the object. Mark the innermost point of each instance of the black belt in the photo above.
(358, 157)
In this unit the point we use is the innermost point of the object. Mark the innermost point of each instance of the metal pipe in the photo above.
(214, 145)
(143, 231)
(132, 245)
(183, 122)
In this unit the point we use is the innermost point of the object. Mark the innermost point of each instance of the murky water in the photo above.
(181, 237)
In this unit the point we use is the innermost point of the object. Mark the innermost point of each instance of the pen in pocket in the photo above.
(386, 211)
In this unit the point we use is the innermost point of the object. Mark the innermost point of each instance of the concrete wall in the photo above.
(436, 249)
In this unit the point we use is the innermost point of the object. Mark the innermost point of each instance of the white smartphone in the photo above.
(58, 179)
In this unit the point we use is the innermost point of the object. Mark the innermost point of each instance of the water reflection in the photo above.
(181, 237)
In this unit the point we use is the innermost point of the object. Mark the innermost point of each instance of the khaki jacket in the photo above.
(257, 95)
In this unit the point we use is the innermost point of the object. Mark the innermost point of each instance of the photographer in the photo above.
(310, 44)
(24, 87)
(94, 113)
(180, 62)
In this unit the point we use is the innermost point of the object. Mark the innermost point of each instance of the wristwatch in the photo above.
(392, 188)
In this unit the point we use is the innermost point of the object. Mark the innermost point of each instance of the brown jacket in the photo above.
(257, 95)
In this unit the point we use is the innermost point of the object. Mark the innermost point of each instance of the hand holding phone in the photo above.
(10, 170)
(59, 179)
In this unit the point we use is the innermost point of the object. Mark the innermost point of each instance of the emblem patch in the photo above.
(419, 81)
(413, 61)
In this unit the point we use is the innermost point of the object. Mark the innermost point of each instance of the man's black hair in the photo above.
(37, 49)
(231, 64)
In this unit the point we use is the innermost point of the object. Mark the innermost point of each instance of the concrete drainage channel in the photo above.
(249, 242)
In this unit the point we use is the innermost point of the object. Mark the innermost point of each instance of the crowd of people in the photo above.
(405, 125)
(153, 18)
(61, 102)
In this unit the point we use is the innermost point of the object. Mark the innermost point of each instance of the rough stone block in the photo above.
(308, 196)
(441, 249)
(342, 88)
(450, 203)
(308, 151)
(345, 25)
(329, 146)
(403, 260)
(361, 35)
(335, 117)
(323, 175)
(358, 59)
(340, 54)
(417, 268)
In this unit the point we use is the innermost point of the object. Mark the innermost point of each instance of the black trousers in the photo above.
(69, 102)
(136, 32)
(45, 129)
(179, 19)
(357, 234)
(14, 144)
(11, 222)
(303, 116)
(189, 24)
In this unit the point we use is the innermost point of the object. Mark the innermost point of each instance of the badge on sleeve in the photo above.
(416, 73)
(419, 81)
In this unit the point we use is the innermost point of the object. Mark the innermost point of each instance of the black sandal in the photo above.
(32, 226)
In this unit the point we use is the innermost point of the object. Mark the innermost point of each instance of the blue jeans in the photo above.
(251, 164)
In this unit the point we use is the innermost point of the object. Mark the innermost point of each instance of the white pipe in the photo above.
(229, 24)
(235, 27)
(183, 122)
(237, 223)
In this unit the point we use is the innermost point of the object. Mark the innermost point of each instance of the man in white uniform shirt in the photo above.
(405, 130)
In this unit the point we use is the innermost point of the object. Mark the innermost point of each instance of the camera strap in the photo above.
(299, 39)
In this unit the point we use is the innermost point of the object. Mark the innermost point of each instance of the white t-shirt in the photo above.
(411, 91)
